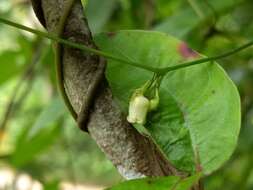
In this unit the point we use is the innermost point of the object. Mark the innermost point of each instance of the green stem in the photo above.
(161, 71)
(76, 45)
(58, 57)
(164, 71)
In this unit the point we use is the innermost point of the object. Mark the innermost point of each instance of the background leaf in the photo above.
(33, 140)
(98, 13)
(185, 20)
(12, 62)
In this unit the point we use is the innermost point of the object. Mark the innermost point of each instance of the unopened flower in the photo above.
(153, 103)
(144, 99)
(138, 109)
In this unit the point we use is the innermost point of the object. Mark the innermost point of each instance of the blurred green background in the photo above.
(38, 136)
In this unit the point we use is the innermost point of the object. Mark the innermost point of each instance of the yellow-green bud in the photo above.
(153, 103)
(138, 109)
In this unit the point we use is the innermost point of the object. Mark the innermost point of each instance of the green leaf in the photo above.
(39, 136)
(54, 185)
(187, 183)
(98, 13)
(52, 113)
(12, 62)
(158, 183)
(185, 20)
(198, 120)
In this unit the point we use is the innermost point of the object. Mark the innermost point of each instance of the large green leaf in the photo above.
(159, 183)
(198, 120)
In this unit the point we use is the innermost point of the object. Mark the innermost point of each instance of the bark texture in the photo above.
(133, 154)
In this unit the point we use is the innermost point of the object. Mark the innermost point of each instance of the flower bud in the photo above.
(138, 109)
(153, 103)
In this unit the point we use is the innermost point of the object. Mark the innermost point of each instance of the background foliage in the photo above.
(50, 147)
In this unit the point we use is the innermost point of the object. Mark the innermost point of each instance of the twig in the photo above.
(214, 12)
(196, 9)
(161, 71)
(70, 160)
(149, 6)
(28, 72)
(245, 174)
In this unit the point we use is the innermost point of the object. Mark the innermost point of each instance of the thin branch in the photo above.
(76, 45)
(245, 174)
(149, 9)
(70, 160)
(214, 12)
(161, 71)
(208, 59)
(27, 74)
(196, 9)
